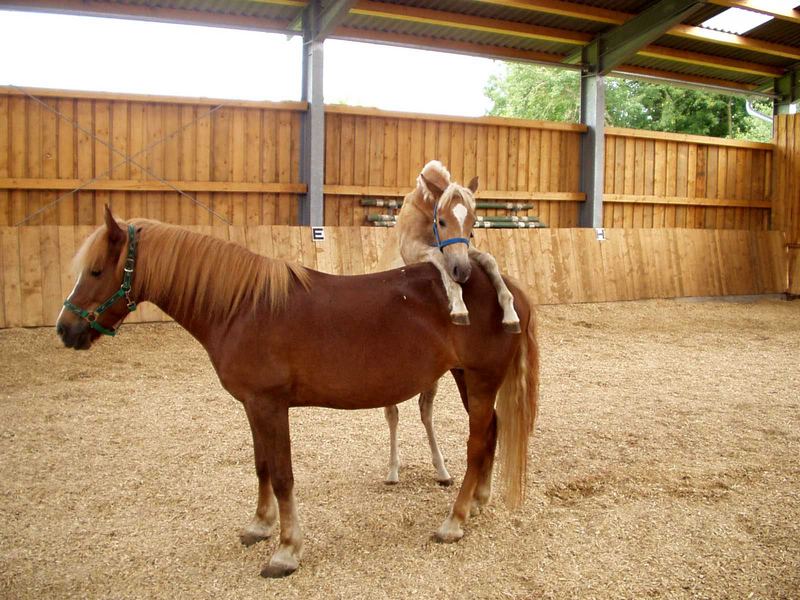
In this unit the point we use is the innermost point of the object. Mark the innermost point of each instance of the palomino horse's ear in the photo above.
(473, 185)
(435, 190)
(115, 233)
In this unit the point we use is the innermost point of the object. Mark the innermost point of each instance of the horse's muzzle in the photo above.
(461, 272)
(77, 336)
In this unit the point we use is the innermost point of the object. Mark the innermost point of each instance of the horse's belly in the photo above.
(365, 390)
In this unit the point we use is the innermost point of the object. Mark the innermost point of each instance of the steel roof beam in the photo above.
(328, 20)
(614, 47)
(787, 90)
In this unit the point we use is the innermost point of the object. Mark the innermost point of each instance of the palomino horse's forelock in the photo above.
(456, 193)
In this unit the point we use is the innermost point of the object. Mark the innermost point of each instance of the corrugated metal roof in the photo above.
(718, 50)
(439, 22)
(679, 69)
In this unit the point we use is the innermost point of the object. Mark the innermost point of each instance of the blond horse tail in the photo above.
(517, 405)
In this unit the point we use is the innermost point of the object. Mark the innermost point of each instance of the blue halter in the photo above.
(439, 243)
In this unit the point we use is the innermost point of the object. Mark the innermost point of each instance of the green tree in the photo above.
(533, 92)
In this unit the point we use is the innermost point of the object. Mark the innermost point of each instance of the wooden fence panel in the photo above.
(685, 181)
(378, 154)
(240, 159)
(554, 265)
(786, 208)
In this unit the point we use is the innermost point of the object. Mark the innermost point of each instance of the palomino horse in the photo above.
(435, 225)
(281, 336)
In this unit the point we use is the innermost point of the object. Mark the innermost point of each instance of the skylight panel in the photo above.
(736, 20)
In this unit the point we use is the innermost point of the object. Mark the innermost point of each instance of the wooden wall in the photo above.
(655, 179)
(786, 209)
(240, 160)
(554, 265)
(378, 154)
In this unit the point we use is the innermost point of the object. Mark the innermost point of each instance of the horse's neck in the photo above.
(415, 222)
(163, 295)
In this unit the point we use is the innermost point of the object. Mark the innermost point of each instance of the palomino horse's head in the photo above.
(453, 220)
(100, 299)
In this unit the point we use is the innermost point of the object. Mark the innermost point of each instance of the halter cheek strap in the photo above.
(439, 243)
(124, 291)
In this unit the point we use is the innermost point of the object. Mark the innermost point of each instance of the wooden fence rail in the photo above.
(554, 265)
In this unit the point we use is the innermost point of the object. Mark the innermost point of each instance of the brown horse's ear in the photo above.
(435, 190)
(115, 233)
(473, 185)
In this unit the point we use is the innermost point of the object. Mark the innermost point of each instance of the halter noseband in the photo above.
(439, 243)
(123, 291)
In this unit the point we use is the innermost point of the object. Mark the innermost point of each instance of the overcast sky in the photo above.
(115, 55)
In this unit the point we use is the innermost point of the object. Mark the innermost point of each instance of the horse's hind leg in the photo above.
(479, 445)
(392, 417)
(263, 523)
(426, 414)
(483, 490)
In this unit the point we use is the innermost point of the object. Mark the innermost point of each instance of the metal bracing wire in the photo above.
(127, 159)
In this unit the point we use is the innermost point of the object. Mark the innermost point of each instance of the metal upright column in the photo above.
(593, 109)
(312, 154)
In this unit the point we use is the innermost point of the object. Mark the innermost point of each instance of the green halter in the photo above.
(123, 291)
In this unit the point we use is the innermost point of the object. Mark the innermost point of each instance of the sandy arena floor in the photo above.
(666, 463)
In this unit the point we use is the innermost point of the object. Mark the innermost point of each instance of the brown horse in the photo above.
(281, 336)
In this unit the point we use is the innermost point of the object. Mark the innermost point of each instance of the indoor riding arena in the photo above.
(664, 269)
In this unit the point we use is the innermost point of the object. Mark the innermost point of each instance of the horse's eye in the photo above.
(472, 234)
(95, 272)
(441, 223)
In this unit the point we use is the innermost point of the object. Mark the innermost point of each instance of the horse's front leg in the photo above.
(504, 297)
(271, 422)
(262, 525)
(458, 310)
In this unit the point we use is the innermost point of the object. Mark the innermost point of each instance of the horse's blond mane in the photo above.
(191, 273)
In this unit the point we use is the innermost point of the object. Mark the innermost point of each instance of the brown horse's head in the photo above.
(99, 270)
(454, 218)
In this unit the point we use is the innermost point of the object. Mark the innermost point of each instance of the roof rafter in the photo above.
(448, 19)
(469, 48)
(565, 9)
(613, 17)
(510, 28)
(616, 46)
(707, 60)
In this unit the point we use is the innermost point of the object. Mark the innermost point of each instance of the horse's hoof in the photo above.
(391, 481)
(445, 482)
(276, 571)
(460, 318)
(254, 533)
(512, 327)
(449, 536)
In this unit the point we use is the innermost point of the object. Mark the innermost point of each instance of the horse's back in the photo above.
(371, 340)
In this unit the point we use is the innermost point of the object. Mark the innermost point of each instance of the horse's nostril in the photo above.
(60, 330)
